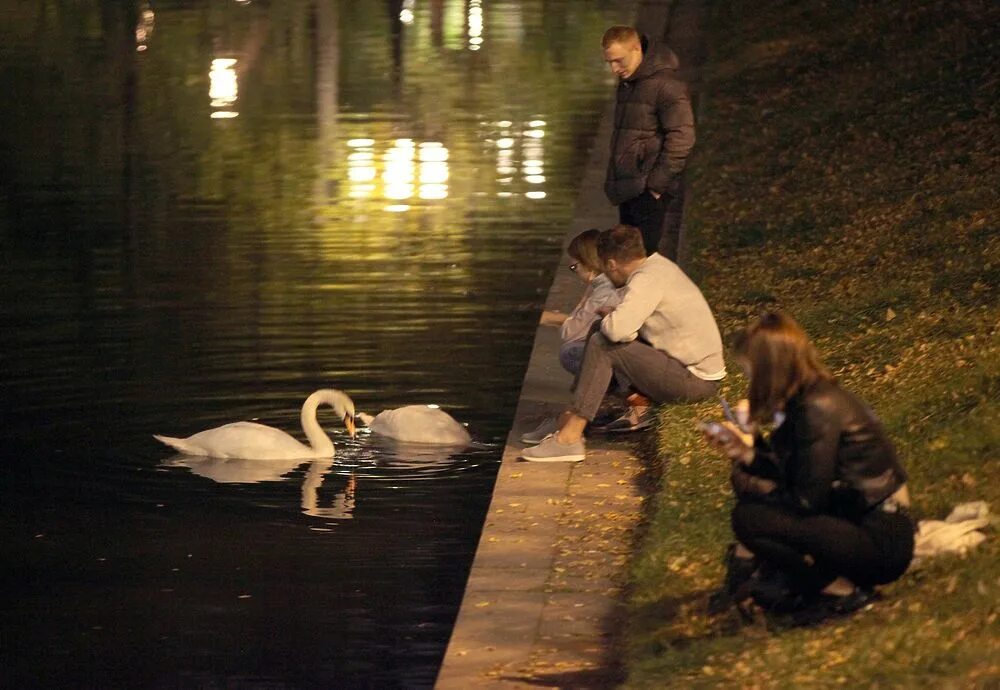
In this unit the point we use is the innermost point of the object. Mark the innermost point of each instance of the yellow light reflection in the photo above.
(535, 124)
(144, 29)
(398, 190)
(223, 89)
(433, 172)
(505, 143)
(505, 162)
(406, 170)
(433, 191)
(535, 195)
(399, 170)
(433, 151)
(532, 154)
(475, 23)
(224, 115)
(406, 13)
(361, 173)
(361, 168)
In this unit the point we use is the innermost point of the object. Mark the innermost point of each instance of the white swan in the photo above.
(418, 424)
(252, 441)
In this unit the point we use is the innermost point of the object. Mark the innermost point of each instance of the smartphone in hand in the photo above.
(716, 430)
(727, 410)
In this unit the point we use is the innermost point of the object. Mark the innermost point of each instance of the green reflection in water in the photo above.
(378, 177)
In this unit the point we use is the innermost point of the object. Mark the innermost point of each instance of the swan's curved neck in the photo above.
(318, 439)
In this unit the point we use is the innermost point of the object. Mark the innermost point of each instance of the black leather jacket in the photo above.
(830, 455)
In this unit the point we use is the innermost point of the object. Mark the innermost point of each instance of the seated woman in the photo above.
(822, 502)
(575, 327)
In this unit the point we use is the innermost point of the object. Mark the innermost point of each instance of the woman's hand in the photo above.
(746, 484)
(604, 311)
(765, 486)
(742, 412)
(726, 438)
(552, 318)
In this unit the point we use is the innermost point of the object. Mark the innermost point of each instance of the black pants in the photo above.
(659, 221)
(876, 550)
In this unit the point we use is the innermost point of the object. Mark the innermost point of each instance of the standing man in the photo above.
(652, 137)
(662, 337)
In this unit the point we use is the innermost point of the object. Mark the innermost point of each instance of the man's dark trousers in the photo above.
(648, 214)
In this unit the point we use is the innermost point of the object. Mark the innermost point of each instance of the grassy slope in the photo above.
(848, 171)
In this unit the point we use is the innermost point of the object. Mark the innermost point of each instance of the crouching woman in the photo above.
(821, 513)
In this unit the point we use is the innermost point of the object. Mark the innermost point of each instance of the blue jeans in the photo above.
(571, 356)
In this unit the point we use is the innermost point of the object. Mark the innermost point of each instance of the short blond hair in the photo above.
(620, 34)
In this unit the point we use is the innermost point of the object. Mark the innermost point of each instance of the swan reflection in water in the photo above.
(379, 459)
(240, 471)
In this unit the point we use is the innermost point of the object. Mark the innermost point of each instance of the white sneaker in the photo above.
(551, 450)
(548, 426)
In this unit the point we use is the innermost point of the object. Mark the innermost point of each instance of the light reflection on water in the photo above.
(382, 217)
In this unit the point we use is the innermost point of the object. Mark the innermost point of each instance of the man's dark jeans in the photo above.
(659, 221)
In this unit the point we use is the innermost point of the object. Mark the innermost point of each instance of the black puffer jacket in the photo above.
(830, 455)
(654, 128)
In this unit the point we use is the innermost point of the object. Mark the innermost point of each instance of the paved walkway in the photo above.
(544, 592)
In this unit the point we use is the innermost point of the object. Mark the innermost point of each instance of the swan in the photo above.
(417, 424)
(252, 441)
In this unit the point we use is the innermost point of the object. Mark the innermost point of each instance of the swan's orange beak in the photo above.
(350, 424)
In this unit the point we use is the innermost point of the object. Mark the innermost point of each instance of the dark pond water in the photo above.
(209, 209)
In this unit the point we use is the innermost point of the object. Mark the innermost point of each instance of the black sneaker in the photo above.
(772, 590)
(734, 586)
(825, 606)
(610, 410)
(633, 419)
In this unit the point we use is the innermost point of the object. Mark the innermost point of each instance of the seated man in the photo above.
(662, 338)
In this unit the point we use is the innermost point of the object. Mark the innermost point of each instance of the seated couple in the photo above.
(658, 337)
